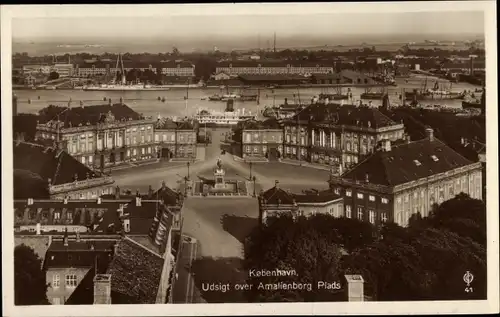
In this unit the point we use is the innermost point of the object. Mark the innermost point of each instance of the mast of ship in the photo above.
(274, 42)
(186, 98)
(124, 81)
(115, 73)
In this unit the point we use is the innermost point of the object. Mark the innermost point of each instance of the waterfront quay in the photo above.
(147, 103)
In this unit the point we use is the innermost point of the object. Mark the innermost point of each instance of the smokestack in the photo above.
(429, 132)
(117, 193)
(276, 184)
(355, 288)
(102, 289)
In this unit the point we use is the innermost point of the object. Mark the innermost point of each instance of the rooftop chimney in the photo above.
(102, 289)
(277, 183)
(355, 288)
(77, 235)
(38, 229)
(429, 132)
(367, 178)
(150, 192)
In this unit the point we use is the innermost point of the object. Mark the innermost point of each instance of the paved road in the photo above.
(220, 225)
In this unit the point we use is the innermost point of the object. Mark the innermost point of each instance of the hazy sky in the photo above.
(249, 25)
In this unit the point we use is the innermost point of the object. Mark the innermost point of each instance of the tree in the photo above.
(419, 263)
(53, 75)
(350, 233)
(293, 246)
(29, 280)
(462, 215)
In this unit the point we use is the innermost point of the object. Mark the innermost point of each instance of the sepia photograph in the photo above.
(330, 156)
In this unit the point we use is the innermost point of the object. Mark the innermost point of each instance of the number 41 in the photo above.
(469, 289)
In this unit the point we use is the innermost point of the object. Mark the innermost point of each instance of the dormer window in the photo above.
(434, 158)
(417, 162)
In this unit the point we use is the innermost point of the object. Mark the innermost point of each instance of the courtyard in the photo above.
(219, 225)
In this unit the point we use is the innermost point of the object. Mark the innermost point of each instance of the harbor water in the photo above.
(150, 103)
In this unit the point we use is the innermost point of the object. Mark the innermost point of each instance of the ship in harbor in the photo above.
(228, 117)
(124, 87)
(434, 93)
(475, 103)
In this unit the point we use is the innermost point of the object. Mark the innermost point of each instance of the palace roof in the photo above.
(407, 162)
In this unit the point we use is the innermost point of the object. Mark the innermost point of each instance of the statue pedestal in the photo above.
(219, 178)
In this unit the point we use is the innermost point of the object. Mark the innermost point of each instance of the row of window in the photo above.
(360, 214)
(348, 193)
(182, 138)
(70, 281)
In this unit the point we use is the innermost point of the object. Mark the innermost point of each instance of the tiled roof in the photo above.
(135, 272)
(79, 254)
(254, 124)
(47, 162)
(83, 212)
(165, 124)
(407, 162)
(91, 115)
(276, 195)
(345, 115)
(104, 216)
(29, 185)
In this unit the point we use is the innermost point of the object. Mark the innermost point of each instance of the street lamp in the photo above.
(254, 186)
(250, 170)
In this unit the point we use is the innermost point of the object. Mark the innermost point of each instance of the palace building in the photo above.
(259, 139)
(175, 139)
(337, 135)
(398, 181)
(100, 136)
